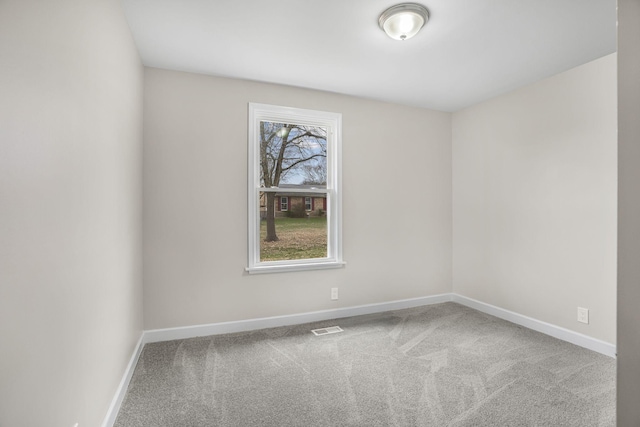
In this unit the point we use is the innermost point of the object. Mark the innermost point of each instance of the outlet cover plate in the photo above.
(583, 315)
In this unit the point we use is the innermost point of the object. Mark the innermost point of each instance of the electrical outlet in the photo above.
(583, 315)
(334, 294)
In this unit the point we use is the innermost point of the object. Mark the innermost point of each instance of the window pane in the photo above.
(298, 234)
(292, 154)
(294, 168)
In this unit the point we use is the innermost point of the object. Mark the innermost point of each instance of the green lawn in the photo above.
(300, 238)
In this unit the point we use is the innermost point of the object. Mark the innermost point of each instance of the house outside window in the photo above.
(294, 191)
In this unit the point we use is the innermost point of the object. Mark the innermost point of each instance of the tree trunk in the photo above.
(271, 218)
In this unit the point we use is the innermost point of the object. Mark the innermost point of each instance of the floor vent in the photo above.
(326, 331)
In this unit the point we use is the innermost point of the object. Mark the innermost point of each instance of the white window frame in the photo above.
(333, 123)
(310, 204)
(284, 203)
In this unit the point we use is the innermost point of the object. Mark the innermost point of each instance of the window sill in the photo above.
(280, 268)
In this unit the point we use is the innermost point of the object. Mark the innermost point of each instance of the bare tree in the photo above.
(284, 150)
(314, 174)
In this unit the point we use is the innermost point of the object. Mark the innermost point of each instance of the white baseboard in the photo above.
(114, 408)
(576, 338)
(157, 335)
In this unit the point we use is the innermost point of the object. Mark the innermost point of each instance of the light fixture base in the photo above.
(403, 21)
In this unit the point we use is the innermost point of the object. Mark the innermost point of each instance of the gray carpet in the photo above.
(439, 365)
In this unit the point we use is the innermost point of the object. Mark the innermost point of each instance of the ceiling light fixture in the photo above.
(403, 21)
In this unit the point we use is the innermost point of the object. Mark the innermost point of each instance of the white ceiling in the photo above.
(469, 51)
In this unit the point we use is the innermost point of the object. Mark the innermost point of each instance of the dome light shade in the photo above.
(403, 21)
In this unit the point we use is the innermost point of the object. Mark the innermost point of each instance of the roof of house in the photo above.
(285, 187)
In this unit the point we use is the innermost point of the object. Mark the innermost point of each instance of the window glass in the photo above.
(294, 176)
(284, 203)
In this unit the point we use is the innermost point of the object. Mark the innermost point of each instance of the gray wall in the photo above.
(397, 203)
(534, 199)
(628, 213)
(70, 210)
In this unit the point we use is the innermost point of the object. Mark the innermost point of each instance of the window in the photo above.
(295, 212)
